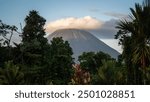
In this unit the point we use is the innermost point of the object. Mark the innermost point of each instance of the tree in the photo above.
(11, 74)
(138, 31)
(109, 74)
(80, 76)
(61, 61)
(34, 28)
(6, 33)
(87, 61)
(90, 61)
(33, 51)
(5, 30)
(33, 40)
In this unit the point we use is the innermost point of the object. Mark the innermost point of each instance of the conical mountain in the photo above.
(83, 41)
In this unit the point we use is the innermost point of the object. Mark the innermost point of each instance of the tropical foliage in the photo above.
(135, 38)
(112, 73)
(39, 61)
(80, 76)
(90, 61)
(11, 74)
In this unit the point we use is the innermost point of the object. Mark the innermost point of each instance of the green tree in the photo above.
(33, 40)
(11, 74)
(6, 33)
(109, 74)
(90, 61)
(138, 31)
(34, 49)
(61, 61)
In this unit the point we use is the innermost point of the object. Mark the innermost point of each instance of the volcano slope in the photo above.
(83, 41)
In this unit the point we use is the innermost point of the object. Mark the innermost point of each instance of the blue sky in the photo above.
(14, 11)
(101, 14)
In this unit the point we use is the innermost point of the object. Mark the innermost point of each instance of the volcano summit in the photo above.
(83, 41)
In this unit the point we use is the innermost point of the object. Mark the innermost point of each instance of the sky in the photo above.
(97, 16)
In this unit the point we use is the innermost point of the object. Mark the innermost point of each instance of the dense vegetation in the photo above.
(134, 36)
(35, 61)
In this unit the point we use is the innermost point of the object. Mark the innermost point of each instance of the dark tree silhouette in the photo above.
(137, 29)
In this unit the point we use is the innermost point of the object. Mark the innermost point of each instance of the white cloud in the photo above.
(87, 23)
(104, 30)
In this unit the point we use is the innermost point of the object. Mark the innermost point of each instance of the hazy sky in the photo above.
(98, 16)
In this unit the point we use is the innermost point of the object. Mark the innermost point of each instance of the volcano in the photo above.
(82, 41)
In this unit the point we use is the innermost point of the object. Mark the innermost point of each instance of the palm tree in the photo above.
(11, 75)
(137, 28)
(109, 73)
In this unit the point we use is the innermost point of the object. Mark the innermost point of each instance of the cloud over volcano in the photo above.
(103, 29)
(86, 23)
